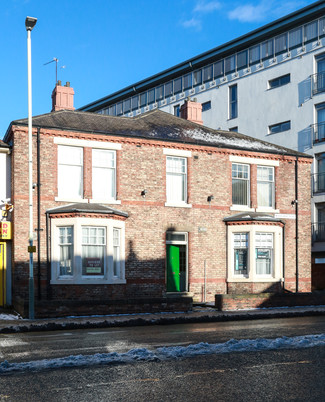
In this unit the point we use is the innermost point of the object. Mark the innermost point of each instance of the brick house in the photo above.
(151, 212)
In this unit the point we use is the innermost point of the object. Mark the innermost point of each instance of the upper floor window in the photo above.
(265, 186)
(233, 107)
(70, 172)
(206, 106)
(279, 127)
(176, 179)
(177, 110)
(240, 184)
(66, 250)
(103, 174)
(279, 81)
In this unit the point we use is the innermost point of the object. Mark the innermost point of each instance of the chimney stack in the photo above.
(192, 111)
(62, 97)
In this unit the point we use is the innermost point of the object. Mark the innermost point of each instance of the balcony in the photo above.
(318, 83)
(318, 132)
(318, 183)
(318, 232)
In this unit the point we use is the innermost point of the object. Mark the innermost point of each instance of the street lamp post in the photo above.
(29, 24)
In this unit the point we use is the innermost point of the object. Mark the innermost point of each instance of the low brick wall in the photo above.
(63, 308)
(249, 301)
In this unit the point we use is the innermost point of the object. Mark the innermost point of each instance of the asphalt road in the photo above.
(286, 375)
(45, 345)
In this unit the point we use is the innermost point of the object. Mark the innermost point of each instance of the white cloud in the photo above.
(258, 12)
(207, 7)
(202, 7)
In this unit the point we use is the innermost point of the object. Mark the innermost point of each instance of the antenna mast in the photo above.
(56, 68)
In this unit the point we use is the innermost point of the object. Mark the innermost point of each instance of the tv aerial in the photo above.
(56, 60)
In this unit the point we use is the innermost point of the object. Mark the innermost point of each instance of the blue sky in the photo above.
(105, 45)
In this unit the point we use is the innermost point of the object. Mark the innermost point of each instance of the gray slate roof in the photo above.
(156, 125)
(86, 208)
(3, 144)
(252, 216)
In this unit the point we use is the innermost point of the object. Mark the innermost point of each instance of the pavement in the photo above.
(11, 322)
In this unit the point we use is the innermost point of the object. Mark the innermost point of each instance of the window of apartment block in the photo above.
(234, 129)
(207, 73)
(279, 127)
(127, 105)
(176, 180)
(177, 110)
(169, 89)
(280, 43)
(319, 177)
(187, 81)
(143, 99)
(265, 186)
(267, 49)
(119, 109)
(159, 93)
(93, 250)
(295, 38)
(279, 81)
(230, 64)
(264, 253)
(70, 172)
(151, 96)
(135, 102)
(178, 85)
(218, 69)
(242, 59)
(66, 250)
(206, 106)
(319, 78)
(254, 54)
(87, 251)
(240, 184)
(233, 102)
(240, 253)
(103, 174)
(197, 77)
(310, 31)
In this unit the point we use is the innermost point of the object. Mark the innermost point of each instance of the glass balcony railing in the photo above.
(318, 231)
(318, 132)
(318, 183)
(318, 83)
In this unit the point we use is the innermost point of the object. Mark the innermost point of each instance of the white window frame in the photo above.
(272, 206)
(77, 277)
(181, 154)
(110, 200)
(277, 253)
(248, 181)
(61, 195)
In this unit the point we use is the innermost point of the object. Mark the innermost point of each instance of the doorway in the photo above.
(176, 254)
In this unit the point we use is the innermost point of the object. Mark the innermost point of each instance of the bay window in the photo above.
(66, 250)
(93, 250)
(240, 253)
(264, 252)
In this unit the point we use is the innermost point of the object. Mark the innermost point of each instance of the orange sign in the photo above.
(5, 230)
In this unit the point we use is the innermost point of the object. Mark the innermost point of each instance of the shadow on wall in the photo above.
(305, 139)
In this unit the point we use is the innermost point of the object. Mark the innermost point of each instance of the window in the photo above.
(135, 102)
(254, 54)
(87, 250)
(207, 73)
(233, 109)
(278, 128)
(116, 252)
(112, 110)
(240, 253)
(320, 126)
(177, 110)
(280, 43)
(230, 64)
(187, 81)
(242, 58)
(119, 109)
(127, 105)
(310, 31)
(263, 253)
(176, 180)
(295, 38)
(319, 78)
(240, 184)
(197, 77)
(160, 93)
(234, 129)
(254, 252)
(169, 89)
(93, 250)
(70, 172)
(103, 174)
(280, 81)
(218, 69)
(265, 186)
(66, 250)
(177, 85)
(267, 49)
(206, 106)
(151, 96)
(143, 99)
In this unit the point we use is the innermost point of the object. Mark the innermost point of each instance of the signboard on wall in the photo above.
(93, 265)
(5, 230)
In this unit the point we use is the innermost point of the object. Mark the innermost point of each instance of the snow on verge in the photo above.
(164, 353)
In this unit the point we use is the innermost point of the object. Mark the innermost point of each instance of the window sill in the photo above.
(177, 205)
(90, 281)
(266, 209)
(67, 199)
(255, 280)
(241, 208)
(100, 201)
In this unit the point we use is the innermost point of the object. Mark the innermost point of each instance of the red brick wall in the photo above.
(142, 165)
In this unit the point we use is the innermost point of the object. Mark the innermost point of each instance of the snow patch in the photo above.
(167, 353)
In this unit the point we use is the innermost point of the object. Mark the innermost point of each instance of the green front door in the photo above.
(176, 268)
